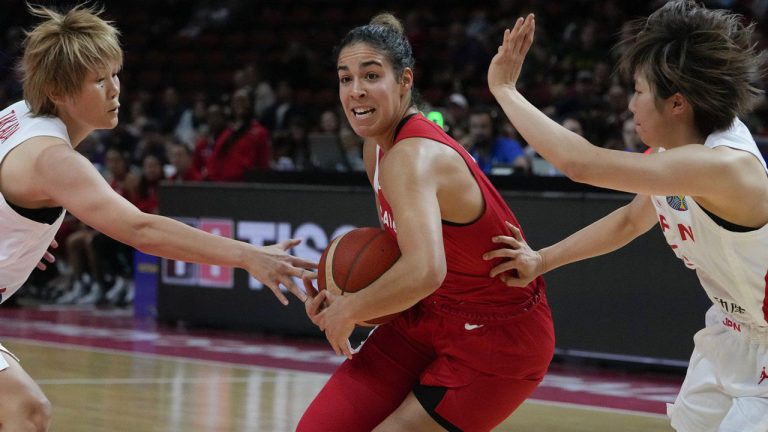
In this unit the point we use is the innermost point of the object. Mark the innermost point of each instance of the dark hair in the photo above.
(706, 55)
(385, 33)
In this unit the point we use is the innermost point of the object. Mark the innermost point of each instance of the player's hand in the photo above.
(273, 266)
(335, 322)
(508, 61)
(522, 263)
(48, 256)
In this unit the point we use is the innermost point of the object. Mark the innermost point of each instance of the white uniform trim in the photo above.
(23, 242)
(3, 362)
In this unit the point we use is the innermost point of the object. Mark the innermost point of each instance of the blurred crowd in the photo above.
(218, 90)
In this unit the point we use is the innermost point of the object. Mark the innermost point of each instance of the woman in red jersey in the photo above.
(467, 350)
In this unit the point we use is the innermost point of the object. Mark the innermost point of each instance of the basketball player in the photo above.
(706, 185)
(70, 66)
(467, 350)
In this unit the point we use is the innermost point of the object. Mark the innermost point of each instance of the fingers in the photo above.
(501, 268)
(513, 281)
(275, 287)
(54, 244)
(515, 231)
(301, 262)
(314, 307)
(501, 253)
(511, 241)
(346, 348)
(49, 257)
(40, 266)
(309, 288)
(293, 288)
(288, 244)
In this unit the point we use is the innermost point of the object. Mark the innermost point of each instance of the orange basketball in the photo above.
(355, 259)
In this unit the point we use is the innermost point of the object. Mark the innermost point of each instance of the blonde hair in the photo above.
(60, 51)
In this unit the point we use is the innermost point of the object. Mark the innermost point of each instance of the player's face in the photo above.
(370, 93)
(96, 105)
(651, 124)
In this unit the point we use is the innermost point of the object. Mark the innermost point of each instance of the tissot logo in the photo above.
(259, 233)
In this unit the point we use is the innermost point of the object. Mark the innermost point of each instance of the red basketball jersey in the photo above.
(467, 280)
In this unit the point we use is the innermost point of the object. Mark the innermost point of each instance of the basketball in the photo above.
(353, 260)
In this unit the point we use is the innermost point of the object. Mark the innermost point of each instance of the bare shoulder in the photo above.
(23, 166)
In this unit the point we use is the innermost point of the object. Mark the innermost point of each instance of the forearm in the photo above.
(564, 149)
(401, 287)
(606, 235)
(165, 237)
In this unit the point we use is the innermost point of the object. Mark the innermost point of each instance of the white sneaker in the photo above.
(117, 290)
(93, 296)
(75, 292)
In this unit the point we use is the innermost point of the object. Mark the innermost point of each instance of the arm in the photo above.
(407, 174)
(676, 171)
(70, 180)
(606, 235)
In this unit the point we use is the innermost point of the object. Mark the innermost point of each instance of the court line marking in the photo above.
(595, 408)
(140, 354)
(136, 381)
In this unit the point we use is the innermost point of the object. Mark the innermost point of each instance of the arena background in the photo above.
(637, 305)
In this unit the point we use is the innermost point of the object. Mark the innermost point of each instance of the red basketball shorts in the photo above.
(469, 376)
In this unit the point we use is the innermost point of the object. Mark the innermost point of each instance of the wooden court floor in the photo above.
(97, 390)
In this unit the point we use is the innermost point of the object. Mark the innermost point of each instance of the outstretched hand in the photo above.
(274, 267)
(522, 264)
(508, 61)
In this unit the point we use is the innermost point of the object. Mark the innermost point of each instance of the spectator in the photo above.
(217, 124)
(240, 148)
(493, 153)
(181, 159)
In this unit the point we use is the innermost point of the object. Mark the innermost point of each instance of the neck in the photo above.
(387, 140)
(76, 130)
(684, 136)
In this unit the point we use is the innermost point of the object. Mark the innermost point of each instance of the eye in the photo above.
(344, 79)
(371, 76)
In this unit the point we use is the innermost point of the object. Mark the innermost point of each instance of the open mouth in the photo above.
(362, 112)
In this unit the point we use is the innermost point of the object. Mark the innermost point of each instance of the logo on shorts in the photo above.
(469, 326)
(763, 376)
(677, 202)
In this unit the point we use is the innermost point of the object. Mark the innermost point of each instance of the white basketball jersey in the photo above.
(732, 266)
(23, 242)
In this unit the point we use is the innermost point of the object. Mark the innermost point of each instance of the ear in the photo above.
(679, 103)
(55, 96)
(406, 80)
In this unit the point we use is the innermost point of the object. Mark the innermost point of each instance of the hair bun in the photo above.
(388, 20)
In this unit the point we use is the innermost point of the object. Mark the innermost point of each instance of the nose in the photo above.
(358, 90)
(114, 89)
(631, 105)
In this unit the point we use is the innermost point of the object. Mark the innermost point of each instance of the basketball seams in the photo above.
(353, 265)
(329, 267)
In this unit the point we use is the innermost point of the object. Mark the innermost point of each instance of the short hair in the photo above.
(706, 55)
(60, 51)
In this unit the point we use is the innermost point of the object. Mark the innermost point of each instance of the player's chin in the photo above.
(110, 123)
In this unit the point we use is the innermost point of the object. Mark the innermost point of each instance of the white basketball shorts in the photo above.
(726, 386)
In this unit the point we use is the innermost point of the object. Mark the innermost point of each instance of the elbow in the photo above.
(576, 170)
(430, 277)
